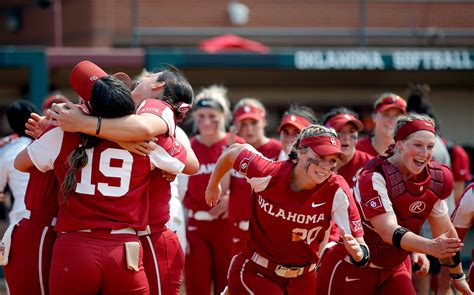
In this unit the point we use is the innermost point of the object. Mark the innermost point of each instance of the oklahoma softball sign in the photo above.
(384, 60)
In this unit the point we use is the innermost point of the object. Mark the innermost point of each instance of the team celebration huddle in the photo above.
(120, 201)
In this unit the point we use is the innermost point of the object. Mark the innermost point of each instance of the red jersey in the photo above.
(350, 171)
(197, 183)
(459, 163)
(111, 190)
(364, 144)
(241, 201)
(161, 109)
(381, 188)
(288, 227)
(463, 216)
(42, 192)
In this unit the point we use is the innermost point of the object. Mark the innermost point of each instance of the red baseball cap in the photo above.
(324, 145)
(339, 120)
(296, 121)
(390, 100)
(55, 98)
(248, 112)
(83, 77)
(86, 73)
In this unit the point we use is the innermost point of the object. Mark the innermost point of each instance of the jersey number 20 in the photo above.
(123, 173)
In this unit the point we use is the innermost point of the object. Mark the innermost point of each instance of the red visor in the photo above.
(413, 126)
(324, 146)
(298, 122)
(248, 112)
(339, 120)
(390, 100)
(83, 78)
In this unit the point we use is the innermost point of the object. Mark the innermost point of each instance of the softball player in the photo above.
(396, 195)
(208, 231)
(292, 206)
(387, 108)
(250, 122)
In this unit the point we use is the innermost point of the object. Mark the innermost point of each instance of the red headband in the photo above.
(324, 145)
(413, 126)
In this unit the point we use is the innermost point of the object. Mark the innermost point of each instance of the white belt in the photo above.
(243, 225)
(280, 270)
(200, 215)
(145, 232)
(127, 230)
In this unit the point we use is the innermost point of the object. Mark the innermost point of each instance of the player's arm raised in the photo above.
(223, 165)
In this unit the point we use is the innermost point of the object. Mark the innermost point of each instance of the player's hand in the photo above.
(423, 263)
(221, 209)
(67, 115)
(462, 286)
(352, 246)
(36, 124)
(2, 197)
(170, 177)
(444, 247)
(213, 193)
(233, 131)
(141, 148)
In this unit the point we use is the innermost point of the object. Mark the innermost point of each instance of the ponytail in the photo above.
(77, 160)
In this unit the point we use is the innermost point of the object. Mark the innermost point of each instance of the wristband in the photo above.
(365, 257)
(397, 237)
(457, 276)
(451, 262)
(99, 123)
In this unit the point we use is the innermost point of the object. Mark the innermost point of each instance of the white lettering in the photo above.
(288, 215)
(339, 60)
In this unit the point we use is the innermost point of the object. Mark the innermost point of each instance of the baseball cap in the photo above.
(84, 75)
(248, 112)
(55, 98)
(338, 121)
(324, 145)
(390, 100)
(294, 120)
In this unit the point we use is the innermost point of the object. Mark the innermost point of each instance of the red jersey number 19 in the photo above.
(124, 172)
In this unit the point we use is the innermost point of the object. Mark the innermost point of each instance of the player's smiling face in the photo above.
(251, 130)
(288, 136)
(385, 121)
(317, 168)
(348, 137)
(146, 87)
(417, 150)
(208, 120)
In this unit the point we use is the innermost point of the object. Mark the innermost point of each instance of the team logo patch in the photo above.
(293, 118)
(247, 109)
(93, 78)
(417, 207)
(357, 225)
(244, 165)
(333, 141)
(374, 203)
